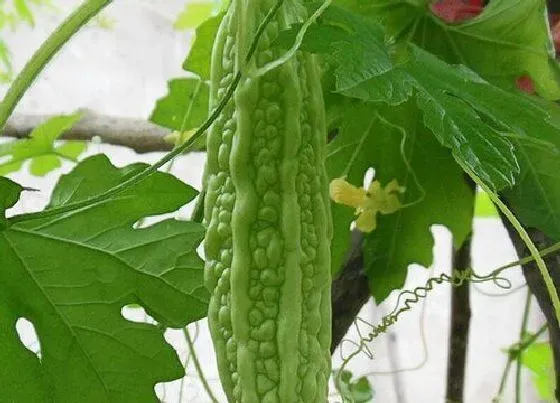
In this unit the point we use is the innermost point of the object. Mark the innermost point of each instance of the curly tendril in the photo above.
(408, 298)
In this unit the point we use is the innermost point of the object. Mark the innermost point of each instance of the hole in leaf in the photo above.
(28, 336)
(136, 313)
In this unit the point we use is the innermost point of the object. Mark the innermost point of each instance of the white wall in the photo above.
(122, 71)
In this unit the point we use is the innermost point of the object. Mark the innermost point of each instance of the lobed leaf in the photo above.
(71, 275)
(395, 143)
(508, 40)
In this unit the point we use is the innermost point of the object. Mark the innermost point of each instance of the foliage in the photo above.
(185, 107)
(12, 14)
(417, 91)
(186, 104)
(509, 39)
(435, 190)
(198, 59)
(41, 149)
(70, 276)
(538, 359)
(481, 124)
(355, 391)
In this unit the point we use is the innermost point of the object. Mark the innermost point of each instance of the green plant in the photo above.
(397, 89)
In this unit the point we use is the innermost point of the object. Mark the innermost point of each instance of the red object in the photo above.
(525, 84)
(457, 10)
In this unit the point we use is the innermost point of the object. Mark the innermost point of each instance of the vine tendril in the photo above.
(412, 297)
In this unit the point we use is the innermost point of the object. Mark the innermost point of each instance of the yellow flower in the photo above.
(367, 203)
(343, 192)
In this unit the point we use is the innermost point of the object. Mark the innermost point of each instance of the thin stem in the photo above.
(515, 353)
(522, 333)
(551, 289)
(524, 345)
(358, 148)
(503, 381)
(45, 53)
(528, 259)
(197, 366)
(103, 197)
(199, 204)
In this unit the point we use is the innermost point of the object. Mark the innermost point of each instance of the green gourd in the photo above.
(267, 245)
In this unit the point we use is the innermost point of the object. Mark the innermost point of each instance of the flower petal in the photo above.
(366, 221)
(343, 192)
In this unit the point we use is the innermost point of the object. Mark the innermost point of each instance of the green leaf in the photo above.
(339, 153)
(9, 195)
(41, 148)
(24, 11)
(193, 14)
(355, 391)
(501, 135)
(535, 198)
(354, 45)
(474, 118)
(71, 275)
(198, 59)
(539, 360)
(186, 102)
(449, 96)
(459, 108)
(71, 149)
(436, 192)
(40, 166)
(509, 39)
(6, 70)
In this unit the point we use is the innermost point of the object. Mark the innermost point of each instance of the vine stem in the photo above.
(167, 157)
(551, 289)
(45, 53)
(522, 333)
(198, 367)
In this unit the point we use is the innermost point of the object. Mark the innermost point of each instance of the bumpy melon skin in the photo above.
(267, 217)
